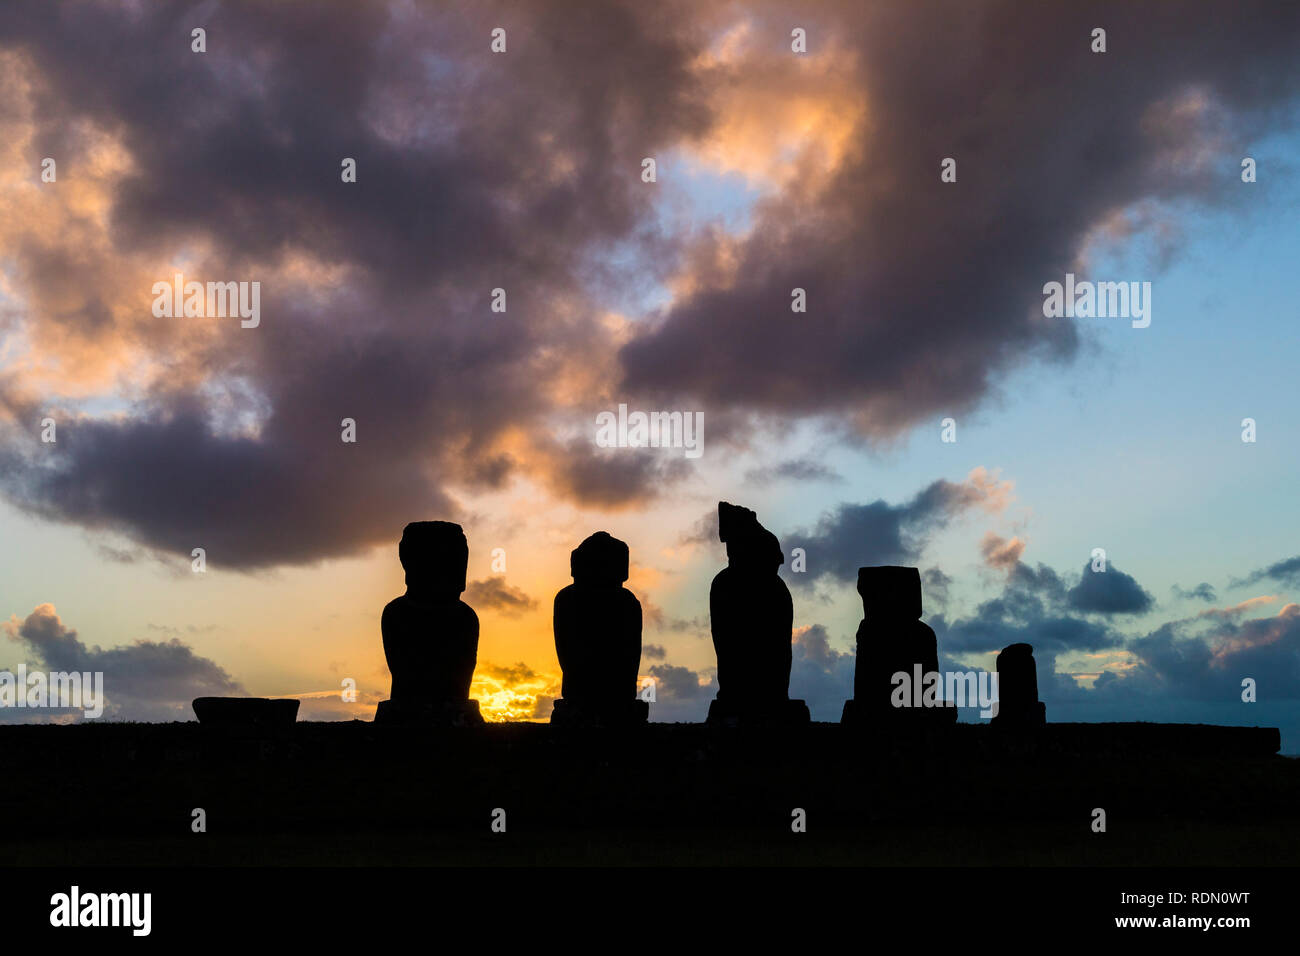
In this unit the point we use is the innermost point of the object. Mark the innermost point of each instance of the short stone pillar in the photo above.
(1018, 703)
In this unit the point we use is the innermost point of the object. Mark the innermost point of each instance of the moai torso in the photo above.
(430, 635)
(598, 625)
(598, 642)
(431, 648)
(750, 613)
(752, 616)
(891, 638)
(888, 646)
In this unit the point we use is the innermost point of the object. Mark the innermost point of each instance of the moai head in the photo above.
(601, 560)
(750, 546)
(1017, 672)
(890, 592)
(435, 556)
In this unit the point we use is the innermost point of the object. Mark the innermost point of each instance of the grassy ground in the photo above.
(350, 793)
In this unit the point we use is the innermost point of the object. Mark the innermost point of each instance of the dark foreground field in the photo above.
(353, 793)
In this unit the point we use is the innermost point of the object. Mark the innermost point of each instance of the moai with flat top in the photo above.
(430, 634)
(1018, 703)
(752, 618)
(598, 639)
(891, 641)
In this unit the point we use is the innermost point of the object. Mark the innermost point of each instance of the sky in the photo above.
(775, 170)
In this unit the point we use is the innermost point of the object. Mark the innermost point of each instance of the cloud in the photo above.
(652, 615)
(857, 535)
(698, 625)
(921, 295)
(1285, 572)
(681, 693)
(1000, 553)
(654, 652)
(934, 586)
(145, 681)
(819, 674)
(516, 674)
(676, 682)
(1237, 611)
(792, 469)
(1109, 592)
(1184, 670)
(521, 172)
(703, 531)
(1034, 608)
(1202, 592)
(1177, 662)
(494, 594)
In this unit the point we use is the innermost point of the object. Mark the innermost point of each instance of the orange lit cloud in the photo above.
(1000, 553)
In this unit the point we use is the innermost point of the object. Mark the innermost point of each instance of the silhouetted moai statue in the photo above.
(893, 640)
(430, 634)
(752, 617)
(1018, 703)
(598, 639)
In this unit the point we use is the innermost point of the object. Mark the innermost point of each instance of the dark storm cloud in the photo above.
(475, 172)
(1108, 592)
(921, 293)
(147, 680)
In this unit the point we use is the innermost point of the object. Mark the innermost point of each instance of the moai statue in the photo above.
(752, 617)
(598, 639)
(1018, 703)
(430, 634)
(892, 640)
